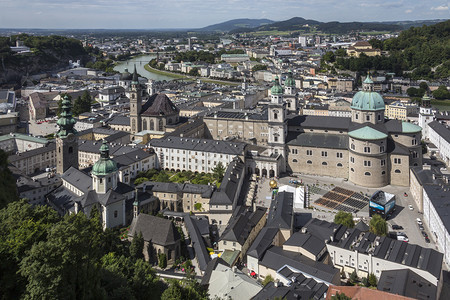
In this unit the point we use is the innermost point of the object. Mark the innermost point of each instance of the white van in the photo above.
(402, 238)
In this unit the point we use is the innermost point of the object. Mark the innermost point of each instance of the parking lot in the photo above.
(42, 128)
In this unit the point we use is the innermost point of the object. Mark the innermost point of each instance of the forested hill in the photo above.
(236, 24)
(423, 50)
(48, 53)
(301, 24)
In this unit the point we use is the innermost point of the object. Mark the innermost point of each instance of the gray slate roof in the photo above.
(306, 241)
(406, 283)
(197, 242)
(281, 211)
(228, 192)
(275, 258)
(319, 140)
(441, 129)
(262, 242)
(239, 228)
(157, 230)
(203, 145)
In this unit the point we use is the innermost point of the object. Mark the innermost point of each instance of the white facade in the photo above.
(190, 160)
(440, 141)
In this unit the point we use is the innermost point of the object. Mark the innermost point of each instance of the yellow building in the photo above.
(357, 48)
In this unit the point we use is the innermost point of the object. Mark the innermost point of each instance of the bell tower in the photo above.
(66, 139)
(135, 103)
(277, 120)
(425, 115)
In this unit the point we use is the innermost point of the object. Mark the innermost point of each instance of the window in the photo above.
(367, 173)
(224, 242)
(367, 163)
(366, 149)
(414, 154)
(379, 117)
(294, 151)
(115, 214)
(324, 163)
(367, 118)
(352, 159)
(294, 160)
(356, 116)
(414, 142)
(397, 161)
(351, 169)
(275, 139)
(397, 171)
(381, 148)
(353, 146)
(234, 244)
(275, 116)
(339, 155)
(384, 172)
(309, 162)
(309, 152)
(339, 165)
(324, 153)
(383, 162)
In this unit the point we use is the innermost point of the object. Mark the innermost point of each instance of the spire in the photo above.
(276, 88)
(290, 79)
(105, 165)
(368, 84)
(135, 79)
(66, 122)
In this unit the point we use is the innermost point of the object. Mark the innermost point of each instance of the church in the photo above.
(98, 187)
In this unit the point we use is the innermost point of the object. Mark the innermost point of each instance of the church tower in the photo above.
(135, 103)
(66, 139)
(277, 120)
(290, 93)
(104, 171)
(425, 115)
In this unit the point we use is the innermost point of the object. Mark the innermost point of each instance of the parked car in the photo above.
(424, 234)
(427, 240)
(397, 227)
(402, 238)
(421, 227)
(419, 221)
(405, 194)
(410, 207)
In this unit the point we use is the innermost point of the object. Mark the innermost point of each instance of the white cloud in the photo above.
(408, 11)
(440, 8)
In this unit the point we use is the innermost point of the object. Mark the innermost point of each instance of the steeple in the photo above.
(66, 139)
(135, 79)
(368, 84)
(66, 122)
(104, 171)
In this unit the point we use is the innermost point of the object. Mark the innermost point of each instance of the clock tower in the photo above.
(66, 139)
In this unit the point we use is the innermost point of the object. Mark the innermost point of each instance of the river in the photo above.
(140, 62)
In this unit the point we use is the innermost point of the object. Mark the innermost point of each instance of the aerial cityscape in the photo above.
(224, 150)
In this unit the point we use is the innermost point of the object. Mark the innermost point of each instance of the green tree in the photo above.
(268, 279)
(424, 86)
(340, 52)
(21, 226)
(259, 67)
(340, 296)
(441, 93)
(137, 246)
(8, 188)
(345, 219)
(198, 206)
(194, 72)
(140, 180)
(66, 265)
(353, 277)
(162, 260)
(219, 172)
(173, 292)
(329, 57)
(378, 225)
(372, 280)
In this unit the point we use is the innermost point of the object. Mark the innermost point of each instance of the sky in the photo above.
(155, 14)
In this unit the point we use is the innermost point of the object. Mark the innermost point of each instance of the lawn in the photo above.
(176, 177)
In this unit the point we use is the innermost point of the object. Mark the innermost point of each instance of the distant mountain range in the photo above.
(301, 24)
(237, 24)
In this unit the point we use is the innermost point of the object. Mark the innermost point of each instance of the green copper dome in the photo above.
(276, 88)
(367, 133)
(290, 80)
(410, 128)
(105, 165)
(367, 99)
(66, 122)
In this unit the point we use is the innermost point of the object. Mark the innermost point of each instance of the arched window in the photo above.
(294, 160)
(275, 115)
(367, 174)
(309, 162)
(353, 170)
(152, 125)
(324, 163)
(339, 165)
(384, 172)
(397, 171)
(144, 124)
(161, 124)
